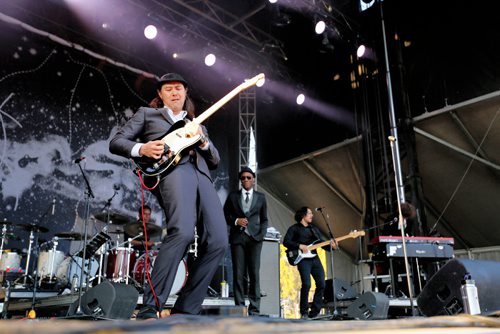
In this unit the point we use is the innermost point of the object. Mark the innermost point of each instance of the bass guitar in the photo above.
(296, 255)
(177, 140)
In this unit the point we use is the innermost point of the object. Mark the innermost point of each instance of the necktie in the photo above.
(247, 198)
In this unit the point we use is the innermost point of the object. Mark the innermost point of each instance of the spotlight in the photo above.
(273, 1)
(175, 55)
(260, 82)
(210, 59)
(320, 27)
(150, 32)
(360, 52)
(300, 99)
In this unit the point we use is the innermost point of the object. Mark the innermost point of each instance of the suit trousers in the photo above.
(246, 259)
(189, 199)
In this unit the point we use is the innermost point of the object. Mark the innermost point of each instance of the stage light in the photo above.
(260, 82)
(210, 59)
(300, 99)
(273, 1)
(150, 32)
(360, 52)
(320, 27)
(175, 55)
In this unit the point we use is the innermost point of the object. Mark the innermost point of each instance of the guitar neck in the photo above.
(210, 111)
(327, 242)
(216, 106)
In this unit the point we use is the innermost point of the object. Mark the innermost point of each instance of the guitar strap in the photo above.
(314, 230)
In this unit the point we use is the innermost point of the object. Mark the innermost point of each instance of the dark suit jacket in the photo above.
(151, 124)
(257, 216)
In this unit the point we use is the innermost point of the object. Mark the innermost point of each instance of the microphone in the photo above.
(319, 209)
(78, 160)
(53, 206)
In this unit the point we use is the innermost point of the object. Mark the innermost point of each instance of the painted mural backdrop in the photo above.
(58, 105)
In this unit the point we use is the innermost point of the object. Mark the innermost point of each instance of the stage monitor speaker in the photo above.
(441, 295)
(108, 300)
(369, 306)
(343, 290)
(270, 279)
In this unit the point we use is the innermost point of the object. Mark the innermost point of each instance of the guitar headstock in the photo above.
(250, 82)
(355, 234)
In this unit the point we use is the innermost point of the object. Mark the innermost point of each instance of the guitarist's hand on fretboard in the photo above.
(152, 149)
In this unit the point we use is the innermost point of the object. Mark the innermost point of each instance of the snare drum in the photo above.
(48, 263)
(9, 260)
(139, 273)
(117, 262)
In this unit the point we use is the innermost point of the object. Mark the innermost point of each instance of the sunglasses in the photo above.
(243, 178)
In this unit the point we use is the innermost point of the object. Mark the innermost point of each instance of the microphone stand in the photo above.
(104, 249)
(88, 195)
(336, 313)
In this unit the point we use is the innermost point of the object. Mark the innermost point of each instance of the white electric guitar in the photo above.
(295, 256)
(177, 140)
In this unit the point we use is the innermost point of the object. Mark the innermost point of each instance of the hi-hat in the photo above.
(70, 235)
(115, 218)
(32, 227)
(134, 228)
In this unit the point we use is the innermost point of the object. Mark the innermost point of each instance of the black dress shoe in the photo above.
(147, 312)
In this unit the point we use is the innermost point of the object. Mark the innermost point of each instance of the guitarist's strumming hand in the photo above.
(152, 149)
(304, 248)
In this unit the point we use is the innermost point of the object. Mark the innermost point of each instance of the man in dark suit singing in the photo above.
(185, 192)
(246, 213)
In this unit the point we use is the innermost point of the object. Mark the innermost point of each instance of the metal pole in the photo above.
(396, 159)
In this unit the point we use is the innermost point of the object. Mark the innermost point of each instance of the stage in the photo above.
(221, 316)
(217, 324)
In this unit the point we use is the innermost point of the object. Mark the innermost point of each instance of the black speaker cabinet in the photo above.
(270, 279)
(369, 306)
(441, 295)
(108, 300)
(343, 290)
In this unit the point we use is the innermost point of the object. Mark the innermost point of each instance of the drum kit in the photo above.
(101, 258)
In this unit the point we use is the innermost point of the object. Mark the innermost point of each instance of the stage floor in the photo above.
(183, 324)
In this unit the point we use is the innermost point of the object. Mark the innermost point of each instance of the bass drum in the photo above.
(139, 272)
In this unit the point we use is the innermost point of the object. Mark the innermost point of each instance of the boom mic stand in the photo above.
(88, 194)
(336, 313)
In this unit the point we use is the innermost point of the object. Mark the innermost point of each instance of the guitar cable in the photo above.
(143, 185)
(146, 264)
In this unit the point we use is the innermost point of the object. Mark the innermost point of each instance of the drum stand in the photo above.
(4, 234)
(102, 250)
(28, 258)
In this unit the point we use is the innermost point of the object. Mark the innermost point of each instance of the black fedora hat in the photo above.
(246, 169)
(171, 77)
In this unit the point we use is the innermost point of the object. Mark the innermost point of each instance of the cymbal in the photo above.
(70, 235)
(32, 227)
(6, 222)
(134, 228)
(115, 218)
